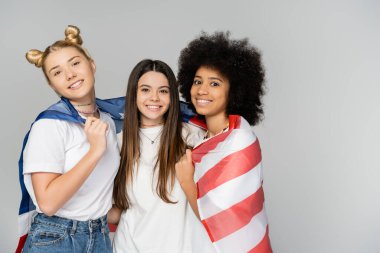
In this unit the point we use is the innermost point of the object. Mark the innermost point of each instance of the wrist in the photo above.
(187, 183)
(189, 187)
(96, 152)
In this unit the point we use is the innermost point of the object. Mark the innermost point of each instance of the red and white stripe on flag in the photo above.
(24, 221)
(230, 195)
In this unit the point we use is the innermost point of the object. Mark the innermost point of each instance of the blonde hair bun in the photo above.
(34, 56)
(72, 35)
(72, 39)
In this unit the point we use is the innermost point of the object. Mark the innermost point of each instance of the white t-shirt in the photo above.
(152, 225)
(57, 146)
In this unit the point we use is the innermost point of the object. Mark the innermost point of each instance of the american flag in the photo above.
(230, 200)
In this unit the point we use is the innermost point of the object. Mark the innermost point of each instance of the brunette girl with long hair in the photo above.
(155, 209)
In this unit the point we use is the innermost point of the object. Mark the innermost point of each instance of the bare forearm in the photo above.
(190, 190)
(53, 193)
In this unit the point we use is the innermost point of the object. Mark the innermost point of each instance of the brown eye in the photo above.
(197, 82)
(214, 84)
(164, 91)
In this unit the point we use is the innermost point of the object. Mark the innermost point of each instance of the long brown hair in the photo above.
(172, 145)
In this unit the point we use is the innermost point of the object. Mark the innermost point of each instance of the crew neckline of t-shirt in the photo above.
(101, 115)
(154, 129)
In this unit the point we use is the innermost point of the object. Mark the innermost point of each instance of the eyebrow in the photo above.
(72, 58)
(211, 78)
(147, 85)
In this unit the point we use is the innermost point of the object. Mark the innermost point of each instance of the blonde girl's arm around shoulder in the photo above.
(53, 190)
(185, 175)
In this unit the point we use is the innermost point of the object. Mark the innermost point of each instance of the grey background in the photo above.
(320, 138)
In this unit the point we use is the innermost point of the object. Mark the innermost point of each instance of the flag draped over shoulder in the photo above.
(64, 110)
(230, 197)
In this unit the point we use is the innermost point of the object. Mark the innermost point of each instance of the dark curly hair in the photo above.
(237, 60)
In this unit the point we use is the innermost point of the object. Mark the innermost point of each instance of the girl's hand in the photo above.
(185, 169)
(96, 130)
(53, 190)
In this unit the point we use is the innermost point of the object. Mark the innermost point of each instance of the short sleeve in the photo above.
(192, 135)
(45, 149)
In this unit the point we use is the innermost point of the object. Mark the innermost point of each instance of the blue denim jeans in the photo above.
(56, 234)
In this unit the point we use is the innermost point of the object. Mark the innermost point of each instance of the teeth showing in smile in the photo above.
(154, 107)
(203, 101)
(76, 84)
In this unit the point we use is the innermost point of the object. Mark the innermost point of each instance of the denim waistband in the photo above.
(99, 224)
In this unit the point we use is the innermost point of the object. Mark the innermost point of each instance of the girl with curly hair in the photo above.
(155, 211)
(222, 177)
(70, 156)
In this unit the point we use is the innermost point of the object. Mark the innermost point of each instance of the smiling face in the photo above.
(209, 92)
(71, 74)
(153, 98)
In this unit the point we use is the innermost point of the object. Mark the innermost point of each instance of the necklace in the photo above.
(89, 112)
(84, 104)
(222, 131)
(151, 141)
